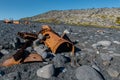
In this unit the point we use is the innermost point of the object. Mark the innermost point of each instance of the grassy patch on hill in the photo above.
(52, 20)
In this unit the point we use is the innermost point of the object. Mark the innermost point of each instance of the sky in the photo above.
(16, 9)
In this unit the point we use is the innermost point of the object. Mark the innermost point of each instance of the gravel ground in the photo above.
(96, 48)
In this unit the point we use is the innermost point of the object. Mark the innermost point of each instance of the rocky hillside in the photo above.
(103, 17)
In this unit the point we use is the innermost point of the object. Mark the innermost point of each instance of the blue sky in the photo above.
(17, 9)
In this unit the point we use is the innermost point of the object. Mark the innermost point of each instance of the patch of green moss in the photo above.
(118, 20)
(88, 24)
(103, 16)
(52, 20)
(112, 27)
(115, 27)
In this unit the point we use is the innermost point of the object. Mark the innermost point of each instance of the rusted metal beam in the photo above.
(29, 36)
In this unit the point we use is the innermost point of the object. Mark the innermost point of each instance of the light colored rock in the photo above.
(97, 52)
(3, 51)
(77, 54)
(34, 31)
(105, 57)
(112, 72)
(96, 67)
(41, 51)
(102, 43)
(106, 63)
(89, 50)
(40, 36)
(94, 46)
(66, 31)
(115, 54)
(77, 40)
(87, 73)
(36, 43)
(16, 43)
(40, 48)
(64, 70)
(111, 52)
(29, 49)
(59, 60)
(1, 47)
(116, 42)
(46, 71)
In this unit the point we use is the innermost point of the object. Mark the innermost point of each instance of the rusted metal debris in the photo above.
(51, 39)
(16, 22)
(26, 22)
(20, 56)
(28, 36)
(55, 42)
(8, 21)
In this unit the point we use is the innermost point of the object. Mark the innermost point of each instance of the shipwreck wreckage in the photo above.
(54, 42)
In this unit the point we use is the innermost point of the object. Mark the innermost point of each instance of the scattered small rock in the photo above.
(37, 42)
(74, 33)
(97, 52)
(87, 73)
(115, 54)
(16, 43)
(41, 51)
(2, 73)
(105, 57)
(1, 47)
(106, 63)
(3, 51)
(96, 67)
(77, 54)
(102, 43)
(90, 50)
(59, 60)
(26, 74)
(12, 76)
(112, 52)
(34, 31)
(112, 72)
(59, 70)
(1, 55)
(29, 49)
(94, 46)
(46, 71)
(7, 45)
(66, 31)
(116, 42)
(64, 70)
